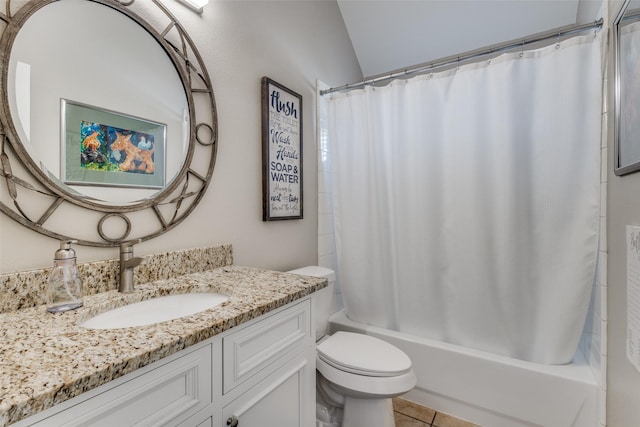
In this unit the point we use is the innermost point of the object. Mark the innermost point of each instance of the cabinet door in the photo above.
(283, 399)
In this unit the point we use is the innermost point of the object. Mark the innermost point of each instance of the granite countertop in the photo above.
(46, 358)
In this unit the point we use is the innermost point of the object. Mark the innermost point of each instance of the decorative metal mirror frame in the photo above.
(169, 206)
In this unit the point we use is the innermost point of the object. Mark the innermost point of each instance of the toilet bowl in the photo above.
(357, 374)
(363, 373)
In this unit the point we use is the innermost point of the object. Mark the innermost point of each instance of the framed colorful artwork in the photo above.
(106, 148)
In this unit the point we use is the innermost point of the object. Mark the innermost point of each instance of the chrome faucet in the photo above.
(127, 263)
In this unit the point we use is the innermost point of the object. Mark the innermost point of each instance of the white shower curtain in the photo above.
(466, 202)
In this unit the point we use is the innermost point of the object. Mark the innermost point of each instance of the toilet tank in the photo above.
(323, 299)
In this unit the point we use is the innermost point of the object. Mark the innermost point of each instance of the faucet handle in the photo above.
(127, 247)
(127, 263)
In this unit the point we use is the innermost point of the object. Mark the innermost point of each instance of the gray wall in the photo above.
(294, 43)
(623, 204)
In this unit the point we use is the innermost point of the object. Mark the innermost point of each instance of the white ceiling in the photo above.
(388, 35)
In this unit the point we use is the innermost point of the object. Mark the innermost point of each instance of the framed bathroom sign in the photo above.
(281, 152)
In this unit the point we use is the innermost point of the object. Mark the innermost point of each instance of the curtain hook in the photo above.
(522, 49)
(558, 41)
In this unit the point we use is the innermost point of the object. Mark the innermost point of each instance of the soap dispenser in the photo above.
(65, 284)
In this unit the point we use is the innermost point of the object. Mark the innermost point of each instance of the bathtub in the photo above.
(492, 390)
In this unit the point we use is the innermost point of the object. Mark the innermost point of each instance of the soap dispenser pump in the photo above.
(65, 284)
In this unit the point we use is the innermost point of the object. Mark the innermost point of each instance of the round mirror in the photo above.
(54, 90)
(105, 112)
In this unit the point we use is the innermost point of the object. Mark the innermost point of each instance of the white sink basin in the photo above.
(155, 310)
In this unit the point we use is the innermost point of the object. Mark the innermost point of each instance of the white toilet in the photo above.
(357, 375)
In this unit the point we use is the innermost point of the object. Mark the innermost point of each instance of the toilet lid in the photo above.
(363, 355)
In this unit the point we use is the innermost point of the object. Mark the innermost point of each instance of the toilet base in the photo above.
(368, 412)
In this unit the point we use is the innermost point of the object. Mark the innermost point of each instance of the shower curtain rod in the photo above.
(450, 60)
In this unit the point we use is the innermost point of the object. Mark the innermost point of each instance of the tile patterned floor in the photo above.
(409, 414)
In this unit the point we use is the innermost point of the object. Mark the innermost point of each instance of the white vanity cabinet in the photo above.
(261, 373)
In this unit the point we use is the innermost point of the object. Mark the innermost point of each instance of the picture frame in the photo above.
(626, 42)
(101, 147)
(281, 152)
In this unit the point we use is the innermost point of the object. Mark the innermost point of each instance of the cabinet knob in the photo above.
(232, 422)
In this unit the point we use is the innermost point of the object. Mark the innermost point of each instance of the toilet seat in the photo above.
(363, 355)
(364, 386)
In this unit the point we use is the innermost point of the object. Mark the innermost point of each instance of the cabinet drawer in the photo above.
(257, 346)
(162, 396)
